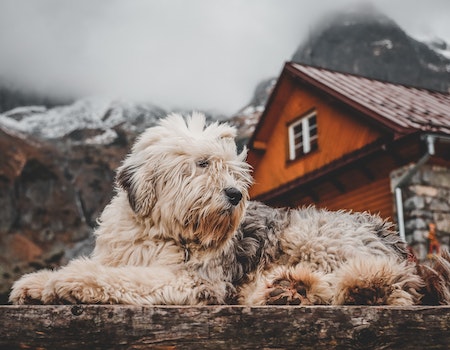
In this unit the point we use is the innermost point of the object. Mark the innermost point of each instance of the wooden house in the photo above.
(342, 141)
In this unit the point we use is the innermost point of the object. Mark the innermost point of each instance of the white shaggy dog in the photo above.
(180, 230)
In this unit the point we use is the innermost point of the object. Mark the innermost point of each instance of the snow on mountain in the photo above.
(436, 44)
(247, 118)
(20, 112)
(87, 114)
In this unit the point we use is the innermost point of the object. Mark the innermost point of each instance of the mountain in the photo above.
(365, 42)
(368, 43)
(91, 120)
(12, 97)
(246, 118)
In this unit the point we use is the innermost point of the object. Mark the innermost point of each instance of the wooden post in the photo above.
(223, 327)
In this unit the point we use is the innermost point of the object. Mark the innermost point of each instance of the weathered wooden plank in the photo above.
(223, 327)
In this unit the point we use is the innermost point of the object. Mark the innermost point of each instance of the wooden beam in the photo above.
(311, 193)
(223, 327)
(259, 145)
(338, 184)
(398, 159)
(367, 172)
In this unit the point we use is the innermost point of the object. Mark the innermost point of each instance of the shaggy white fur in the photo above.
(180, 230)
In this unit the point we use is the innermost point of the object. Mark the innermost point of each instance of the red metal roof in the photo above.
(402, 108)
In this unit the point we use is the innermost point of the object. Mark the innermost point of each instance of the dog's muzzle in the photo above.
(233, 195)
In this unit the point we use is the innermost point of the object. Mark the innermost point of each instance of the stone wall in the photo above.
(426, 199)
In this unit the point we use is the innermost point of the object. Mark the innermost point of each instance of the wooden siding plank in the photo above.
(376, 197)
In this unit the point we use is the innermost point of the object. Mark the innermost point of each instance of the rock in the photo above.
(419, 236)
(414, 202)
(427, 191)
(23, 248)
(416, 224)
(420, 250)
(440, 204)
(52, 193)
(363, 41)
(442, 221)
(246, 119)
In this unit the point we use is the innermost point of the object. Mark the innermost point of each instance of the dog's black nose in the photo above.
(234, 196)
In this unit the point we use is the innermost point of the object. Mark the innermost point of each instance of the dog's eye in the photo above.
(203, 163)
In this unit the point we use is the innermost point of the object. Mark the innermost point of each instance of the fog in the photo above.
(196, 54)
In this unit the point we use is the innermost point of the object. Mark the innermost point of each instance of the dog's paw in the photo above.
(376, 281)
(297, 285)
(210, 295)
(366, 293)
(287, 292)
(375, 292)
(62, 290)
(29, 288)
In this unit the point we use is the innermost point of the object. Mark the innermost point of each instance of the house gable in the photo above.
(341, 131)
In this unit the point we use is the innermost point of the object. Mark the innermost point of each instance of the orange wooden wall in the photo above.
(338, 134)
(374, 196)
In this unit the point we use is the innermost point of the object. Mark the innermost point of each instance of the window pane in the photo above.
(298, 129)
(298, 146)
(314, 144)
(303, 137)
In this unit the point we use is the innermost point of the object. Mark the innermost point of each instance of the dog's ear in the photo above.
(124, 180)
(139, 186)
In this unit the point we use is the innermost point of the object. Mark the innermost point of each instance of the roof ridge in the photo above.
(293, 63)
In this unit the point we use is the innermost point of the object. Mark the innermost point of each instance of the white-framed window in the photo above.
(303, 136)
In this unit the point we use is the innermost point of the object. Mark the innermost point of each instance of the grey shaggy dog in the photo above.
(181, 230)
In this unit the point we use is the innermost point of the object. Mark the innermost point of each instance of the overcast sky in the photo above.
(194, 54)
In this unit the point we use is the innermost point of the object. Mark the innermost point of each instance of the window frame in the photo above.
(309, 141)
